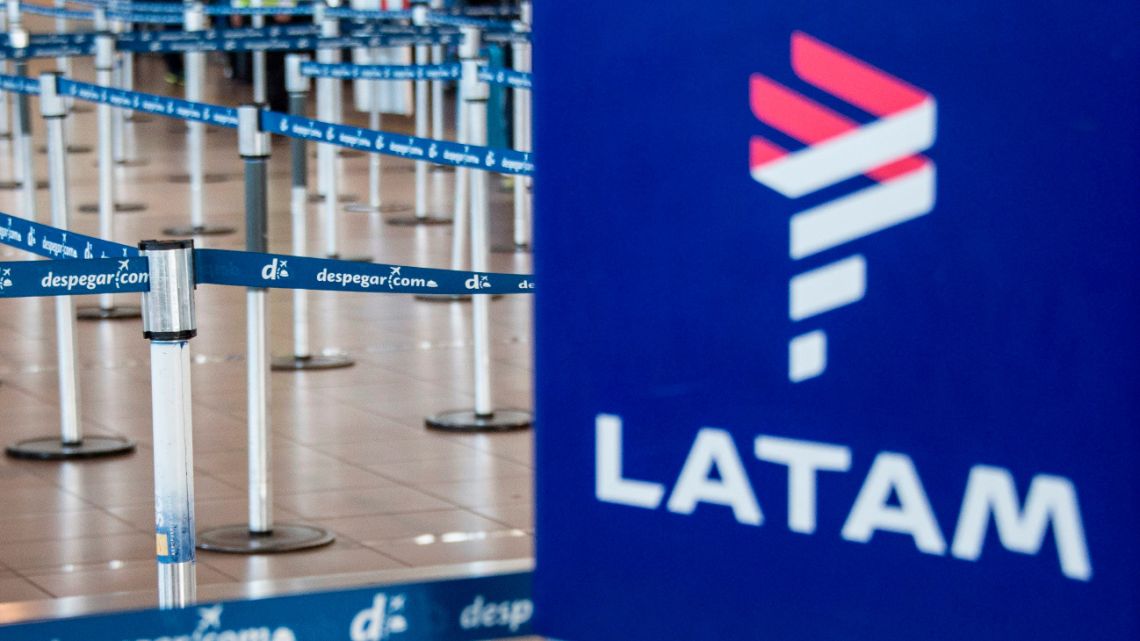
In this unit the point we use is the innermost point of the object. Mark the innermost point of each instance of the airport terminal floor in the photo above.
(350, 452)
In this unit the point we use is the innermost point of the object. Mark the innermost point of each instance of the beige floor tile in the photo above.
(405, 526)
(53, 526)
(26, 556)
(357, 502)
(118, 577)
(461, 548)
(20, 589)
(322, 561)
(484, 492)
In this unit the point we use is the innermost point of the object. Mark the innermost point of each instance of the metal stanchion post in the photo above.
(302, 358)
(18, 38)
(71, 443)
(328, 106)
(375, 204)
(520, 61)
(261, 534)
(195, 63)
(420, 18)
(437, 126)
(123, 78)
(484, 417)
(260, 96)
(5, 68)
(104, 56)
(169, 324)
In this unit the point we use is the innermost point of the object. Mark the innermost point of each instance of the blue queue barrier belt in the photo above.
(501, 37)
(73, 277)
(19, 84)
(506, 161)
(245, 269)
(357, 14)
(276, 31)
(467, 21)
(238, 268)
(505, 77)
(55, 243)
(145, 18)
(467, 609)
(259, 11)
(150, 103)
(359, 39)
(346, 71)
(34, 50)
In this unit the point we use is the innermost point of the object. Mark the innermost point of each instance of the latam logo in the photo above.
(885, 150)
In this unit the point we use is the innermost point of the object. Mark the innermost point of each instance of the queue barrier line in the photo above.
(354, 40)
(19, 84)
(90, 265)
(348, 71)
(149, 103)
(26, 279)
(496, 159)
(56, 12)
(52, 242)
(34, 50)
(505, 77)
(467, 609)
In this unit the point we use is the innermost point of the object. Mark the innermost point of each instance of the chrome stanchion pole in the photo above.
(5, 68)
(261, 534)
(124, 78)
(484, 417)
(169, 324)
(437, 126)
(104, 57)
(375, 204)
(110, 133)
(302, 358)
(420, 14)
(71, 443)
(195, 63)
(22, 143)
(520, 61)
(260, 96)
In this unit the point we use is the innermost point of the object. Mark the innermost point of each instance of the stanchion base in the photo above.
(443, 169)
(132, 162)
(450, 298)
(351, 259)
(326, 360)
(15, 184)
(182, 179)
(349, 153)
(80, 108)
(120, 208)
(118, 312)
(136, 117)
(7, 135)
(365, 208)
(71, 149)
(511, 249)
(344, 198)
(50, 448)
(416, 221)
(469, 421)
(204, 230)
(237, 539)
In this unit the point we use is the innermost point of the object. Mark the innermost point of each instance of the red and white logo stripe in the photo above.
(885, 150)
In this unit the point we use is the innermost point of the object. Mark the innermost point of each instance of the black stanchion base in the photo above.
(118, 312)
(511, 249)
(237, 539)
(325, 360)
(120, 208)
(450, 298)
(182, 179)
(469, 421)
(7, 135)
(15, 184)
(71, 149)
(137, 117)
(80, 108)
(443, 169)
(204, 230)
(351, 259)
(51, 448)
(132, 162)
(365, 208)
(416, 221)
(350, 153)
(344, 198)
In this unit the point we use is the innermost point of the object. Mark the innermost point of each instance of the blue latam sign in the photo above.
(872, 370)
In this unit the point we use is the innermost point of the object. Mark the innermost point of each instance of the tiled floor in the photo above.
(350, 452)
